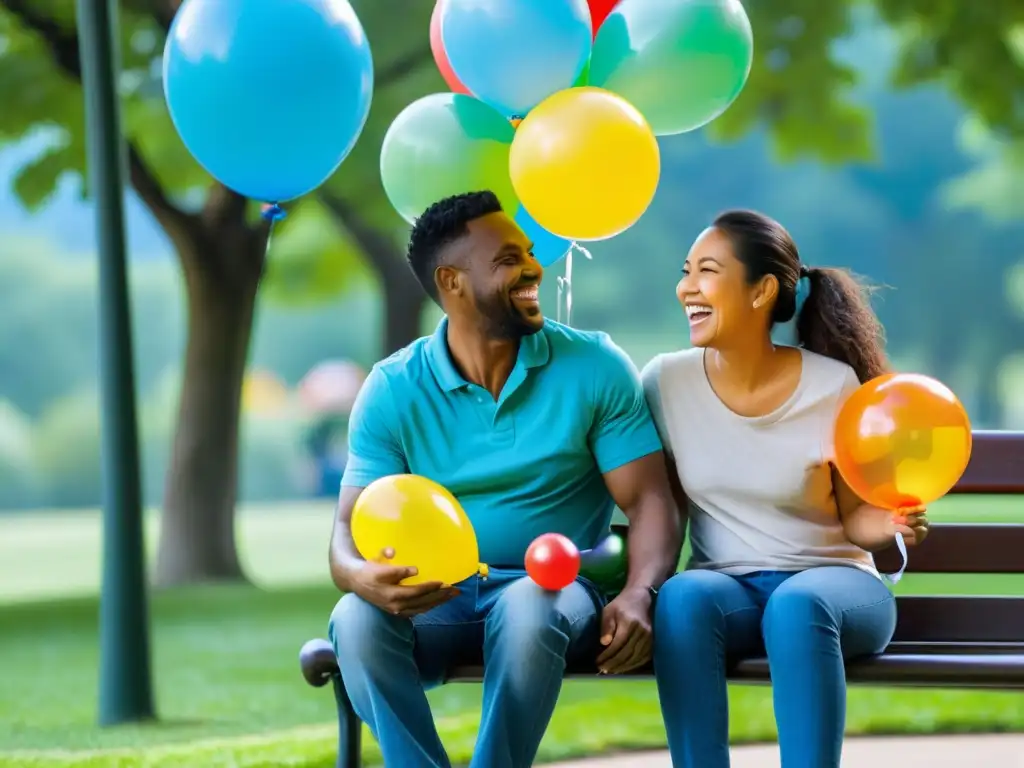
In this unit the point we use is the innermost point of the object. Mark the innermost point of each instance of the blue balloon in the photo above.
(269, 96)
(547, 248)
(513, 54)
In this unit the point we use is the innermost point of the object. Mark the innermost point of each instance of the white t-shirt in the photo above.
(760, 488)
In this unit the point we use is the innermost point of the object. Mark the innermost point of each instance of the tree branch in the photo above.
(376, 246)
(63, 44)
(164, 11)
(161, 11)
(402, 67)
(223, 206)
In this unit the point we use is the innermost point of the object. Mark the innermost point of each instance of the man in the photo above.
(535, 428)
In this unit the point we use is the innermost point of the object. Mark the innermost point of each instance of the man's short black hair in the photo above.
(442, 223)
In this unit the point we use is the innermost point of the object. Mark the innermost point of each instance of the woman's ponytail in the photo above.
(829, 307)
(837, 321)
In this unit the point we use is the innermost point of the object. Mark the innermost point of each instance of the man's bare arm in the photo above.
(679, 497)
(642, 491)
(344, 557)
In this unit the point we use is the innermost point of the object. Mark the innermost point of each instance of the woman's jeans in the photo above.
(806, 621)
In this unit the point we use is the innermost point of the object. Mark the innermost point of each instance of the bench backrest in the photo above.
(997, 467)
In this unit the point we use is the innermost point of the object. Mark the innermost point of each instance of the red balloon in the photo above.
(440, 55)
(599, 10)
(553, 561)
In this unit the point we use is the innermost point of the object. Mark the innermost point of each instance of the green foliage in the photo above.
(19, 484)
(972, 48)
(272, 463)
(995, 186)
(310, 260)
(798, 86)
(48, 352)
(68, 451)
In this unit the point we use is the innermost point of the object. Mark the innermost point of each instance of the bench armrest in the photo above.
(318, 662)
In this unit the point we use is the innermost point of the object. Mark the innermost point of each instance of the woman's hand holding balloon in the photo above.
(873, 529)
(912, 524)
(379, 583)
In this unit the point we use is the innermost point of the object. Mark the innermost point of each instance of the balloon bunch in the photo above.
(556, 106)
(269, 96)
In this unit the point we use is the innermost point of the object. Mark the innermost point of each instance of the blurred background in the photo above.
(885, 134)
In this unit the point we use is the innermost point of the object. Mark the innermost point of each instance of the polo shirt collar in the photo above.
(534, 351)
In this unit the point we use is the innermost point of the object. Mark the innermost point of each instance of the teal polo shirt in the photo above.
(530, 462)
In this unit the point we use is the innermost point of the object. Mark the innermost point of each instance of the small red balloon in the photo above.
(599, 10)
(553, 561)
(440, 55)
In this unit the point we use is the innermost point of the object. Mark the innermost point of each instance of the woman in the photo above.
(780, 544)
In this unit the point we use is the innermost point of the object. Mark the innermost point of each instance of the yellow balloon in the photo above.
(263, 393)
(423, 523)
(585, 164)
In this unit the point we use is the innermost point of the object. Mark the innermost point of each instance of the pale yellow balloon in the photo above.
(422, 522)
(585, 164)
(263, 393)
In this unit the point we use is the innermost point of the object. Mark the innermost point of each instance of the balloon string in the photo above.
(894, 578)
(272, 213)
(565, 283)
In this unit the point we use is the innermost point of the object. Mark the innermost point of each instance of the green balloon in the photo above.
(680, 62)
(584, 78)
(607, 564)
(446, 144)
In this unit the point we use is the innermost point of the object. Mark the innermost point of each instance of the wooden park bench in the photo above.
(940, 641)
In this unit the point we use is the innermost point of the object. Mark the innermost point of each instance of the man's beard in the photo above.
(502, 321)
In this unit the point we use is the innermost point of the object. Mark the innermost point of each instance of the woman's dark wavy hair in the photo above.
(836, 319)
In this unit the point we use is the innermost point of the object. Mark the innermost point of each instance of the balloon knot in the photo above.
(484, 571)
(574, 246)
(515, 120)
(273, 212)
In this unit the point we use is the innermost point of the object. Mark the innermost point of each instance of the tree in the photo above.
(218, 238)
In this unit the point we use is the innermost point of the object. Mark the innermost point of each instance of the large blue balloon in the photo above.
(513, 54)
(268, 95)
(547, 248)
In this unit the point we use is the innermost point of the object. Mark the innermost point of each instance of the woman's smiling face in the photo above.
(714, 291)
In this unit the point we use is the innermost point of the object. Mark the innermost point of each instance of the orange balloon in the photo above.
(902, 440)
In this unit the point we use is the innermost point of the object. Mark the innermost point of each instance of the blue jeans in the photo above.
(523, 634)
(807, 622)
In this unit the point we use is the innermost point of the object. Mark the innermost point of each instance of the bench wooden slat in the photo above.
(1002, 671)
(956, 670)
(941, 619)
(997, 463)
(962, 548)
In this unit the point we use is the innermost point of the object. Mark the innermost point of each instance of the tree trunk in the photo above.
(403, 296)
(197, 536)
(403, 304)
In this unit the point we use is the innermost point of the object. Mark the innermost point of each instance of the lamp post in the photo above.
(125, 685)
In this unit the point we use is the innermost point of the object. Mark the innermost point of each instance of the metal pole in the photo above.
(125, 690)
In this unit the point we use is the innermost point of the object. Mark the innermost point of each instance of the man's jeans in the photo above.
(524, 635)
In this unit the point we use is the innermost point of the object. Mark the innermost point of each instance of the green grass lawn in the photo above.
(225, 659)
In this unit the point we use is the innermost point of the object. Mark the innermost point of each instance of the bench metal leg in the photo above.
(350, 728)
